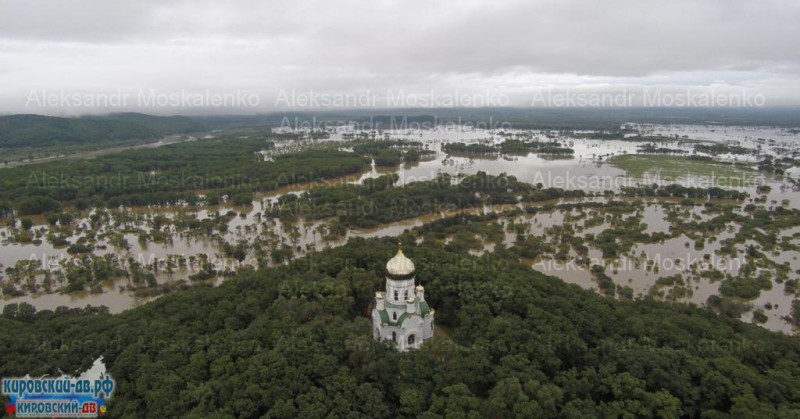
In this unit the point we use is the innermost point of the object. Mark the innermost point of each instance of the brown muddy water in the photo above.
(585, 170)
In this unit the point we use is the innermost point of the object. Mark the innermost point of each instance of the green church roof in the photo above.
(424, 308)
(385, 318)
(402, 318)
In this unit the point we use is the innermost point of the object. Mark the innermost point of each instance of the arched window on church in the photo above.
(395, 295)
(406, 297)
(394, 316)
(394, 337)
(411, 339)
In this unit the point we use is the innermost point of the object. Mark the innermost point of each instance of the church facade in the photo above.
(401, 313)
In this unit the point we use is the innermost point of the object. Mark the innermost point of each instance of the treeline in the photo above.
(601, 135)
(389, 152)
(679, 191)
(510, 146)
(720, 148)
(375, 147)
(654, 149)
(192, 172)
(630, 135)
(476, 148)
(293, 342)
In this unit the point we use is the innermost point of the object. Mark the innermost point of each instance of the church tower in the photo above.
(401, 313)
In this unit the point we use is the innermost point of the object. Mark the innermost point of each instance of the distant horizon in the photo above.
(484, 117)
(419, 111)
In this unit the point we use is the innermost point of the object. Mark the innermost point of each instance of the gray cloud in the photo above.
(506, 47)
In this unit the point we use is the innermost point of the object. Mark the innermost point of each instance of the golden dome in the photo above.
(400, 265)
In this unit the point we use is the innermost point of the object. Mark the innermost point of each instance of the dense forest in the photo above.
(48, 131)
(391, 152)
(377, 201)
(293, 341)
(510, 146)
(174, 173)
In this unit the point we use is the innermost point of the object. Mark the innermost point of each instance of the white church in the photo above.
(401, 314)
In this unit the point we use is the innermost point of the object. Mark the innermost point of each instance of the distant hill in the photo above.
(161, 124)
(47, 131)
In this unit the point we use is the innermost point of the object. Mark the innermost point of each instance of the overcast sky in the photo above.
(83, 56)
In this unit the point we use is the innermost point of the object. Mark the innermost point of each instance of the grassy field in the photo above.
(692, 172)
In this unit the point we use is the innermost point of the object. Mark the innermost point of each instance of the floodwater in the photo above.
(586, 170)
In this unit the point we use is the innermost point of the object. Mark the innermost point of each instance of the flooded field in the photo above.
(161, 249)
